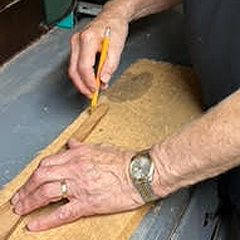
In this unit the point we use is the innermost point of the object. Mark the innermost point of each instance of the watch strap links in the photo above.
(145, 190)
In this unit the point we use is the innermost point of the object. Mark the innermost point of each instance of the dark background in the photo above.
(19, 25)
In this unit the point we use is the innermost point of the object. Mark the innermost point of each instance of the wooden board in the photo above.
(8, 220)
(148, 102)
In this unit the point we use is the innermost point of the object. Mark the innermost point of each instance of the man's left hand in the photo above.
(97, 182)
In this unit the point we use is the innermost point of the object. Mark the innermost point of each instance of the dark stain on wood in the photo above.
(130, 86)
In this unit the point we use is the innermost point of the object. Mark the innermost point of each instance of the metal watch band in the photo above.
(143, 185)
(145, 190)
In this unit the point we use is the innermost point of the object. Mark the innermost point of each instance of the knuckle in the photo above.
(83, 68)
(40, 173)
(74, 38)
(84, 91)
(26, 207)
(44, 162)
(71, 72)
(86, 36)
(65, 213)
(46, 191)
(37, 175)
(112, 65)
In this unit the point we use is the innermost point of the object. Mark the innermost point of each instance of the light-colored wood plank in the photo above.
(9, 220)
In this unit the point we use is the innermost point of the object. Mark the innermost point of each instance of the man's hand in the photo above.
(86, 44)
(116, 14)
(97, 182)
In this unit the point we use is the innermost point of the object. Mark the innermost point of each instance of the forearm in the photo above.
(134, 9)
(203, 149)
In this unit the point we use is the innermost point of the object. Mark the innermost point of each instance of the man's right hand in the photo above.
(86, 44)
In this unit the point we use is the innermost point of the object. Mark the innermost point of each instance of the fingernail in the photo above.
(105, 78)
(93, 89)
(27, 228)
(31, 226)
(104, 86)
(18, 208)
(14, 199)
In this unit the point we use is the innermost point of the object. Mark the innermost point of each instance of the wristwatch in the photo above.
(141, 170)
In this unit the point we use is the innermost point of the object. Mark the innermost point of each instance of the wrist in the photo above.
(135, 9)
(141, 171)
(133, 193)
(162, 183)
(119, 9)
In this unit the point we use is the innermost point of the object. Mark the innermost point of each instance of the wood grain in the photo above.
(90, 123)
(8, 220)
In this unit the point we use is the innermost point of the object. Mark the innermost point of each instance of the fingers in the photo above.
(116, 45)
(63, 157)
(52, 168)
(110, 65)
(92, 182)
(89, 46)
(50, 192)
(64, 214)
(42, 176)
(77, 79)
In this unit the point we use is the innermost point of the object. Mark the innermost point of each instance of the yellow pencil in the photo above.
(103, 55)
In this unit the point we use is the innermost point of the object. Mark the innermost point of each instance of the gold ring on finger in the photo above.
(63, 189)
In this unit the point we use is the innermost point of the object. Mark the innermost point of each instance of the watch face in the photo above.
(141, 168)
